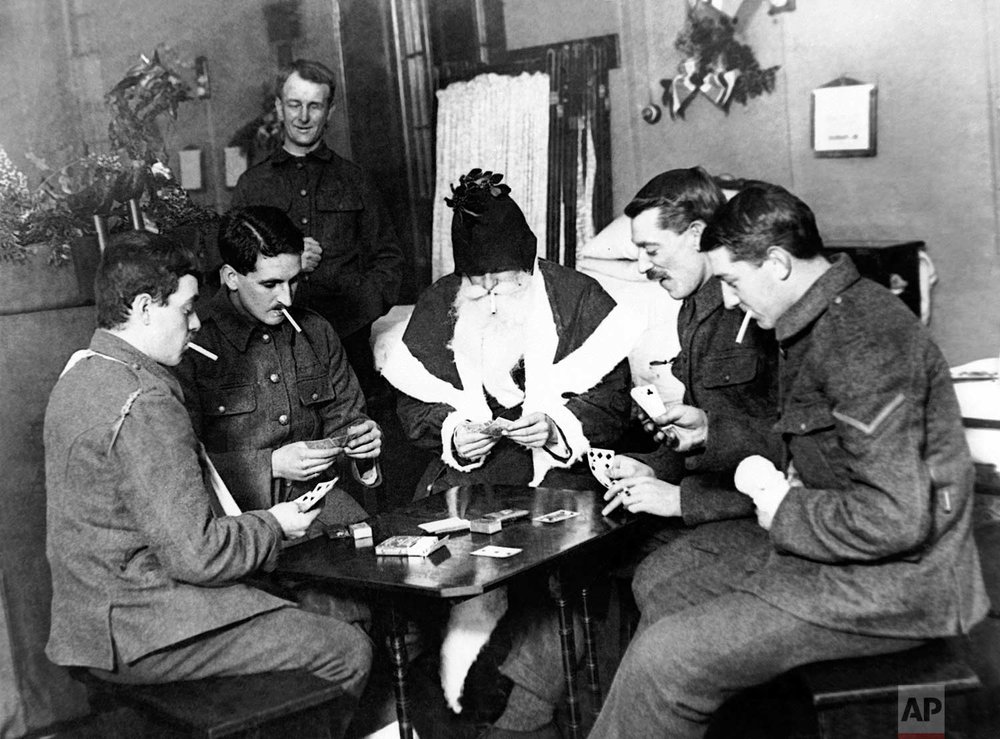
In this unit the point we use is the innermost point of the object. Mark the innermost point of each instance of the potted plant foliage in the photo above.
(54, 224)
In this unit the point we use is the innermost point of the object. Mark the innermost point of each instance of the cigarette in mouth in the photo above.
(291, 320)
(202, 350)
(743, 328)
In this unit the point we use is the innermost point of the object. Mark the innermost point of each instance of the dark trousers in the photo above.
(701, 642)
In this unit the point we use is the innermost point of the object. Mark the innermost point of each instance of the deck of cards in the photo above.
(556, 516)
(445, 525)
(600, 462)
(490, 523)
(409, 546)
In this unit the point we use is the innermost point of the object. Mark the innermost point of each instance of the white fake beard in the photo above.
(492, 341)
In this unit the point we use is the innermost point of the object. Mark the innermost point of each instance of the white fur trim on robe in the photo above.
(469, 627)
(545, 382)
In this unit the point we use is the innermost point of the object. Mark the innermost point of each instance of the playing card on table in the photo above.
(445, 525)
(556, 516)
(491, 550)
(600, 461)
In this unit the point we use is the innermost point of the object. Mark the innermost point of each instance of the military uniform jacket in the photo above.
(270, 386)
(875, 536)
(139, 561)
(333, 201)
(737, 387)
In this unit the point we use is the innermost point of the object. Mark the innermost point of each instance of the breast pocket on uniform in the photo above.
(810, 431)
(230, 400)
(315, 390)
(328, 200)
(734, 368)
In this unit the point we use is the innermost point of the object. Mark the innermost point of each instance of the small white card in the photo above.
(445, 525)
(491, 550)
(556, 516)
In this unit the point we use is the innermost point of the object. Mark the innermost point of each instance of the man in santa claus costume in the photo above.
(513, 337)
(510, 369)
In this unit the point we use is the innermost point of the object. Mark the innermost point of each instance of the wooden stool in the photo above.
(226, 706)
(858, 697)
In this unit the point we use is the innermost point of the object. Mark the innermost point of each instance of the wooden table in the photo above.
(453, 573)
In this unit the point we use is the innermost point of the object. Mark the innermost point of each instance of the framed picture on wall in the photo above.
(844, 119)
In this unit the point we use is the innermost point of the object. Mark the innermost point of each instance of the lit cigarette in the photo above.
(743, 328)
(615, 502)
(291, 320)
(202, 350)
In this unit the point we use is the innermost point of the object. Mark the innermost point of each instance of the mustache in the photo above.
(657, 274)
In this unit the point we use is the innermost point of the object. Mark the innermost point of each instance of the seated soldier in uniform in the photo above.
(146, 577)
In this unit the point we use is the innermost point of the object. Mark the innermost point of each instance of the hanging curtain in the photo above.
(498, 123)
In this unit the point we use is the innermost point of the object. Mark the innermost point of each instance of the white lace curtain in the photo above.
(496, 123)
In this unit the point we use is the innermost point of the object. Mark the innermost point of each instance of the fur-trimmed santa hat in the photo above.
(488, 229)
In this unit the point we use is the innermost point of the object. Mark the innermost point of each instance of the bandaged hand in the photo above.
(764, 483)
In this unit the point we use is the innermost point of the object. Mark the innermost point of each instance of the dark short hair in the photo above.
(257, 230)
(682, 196)
(760, 216)
(137, 262)
(309, 70)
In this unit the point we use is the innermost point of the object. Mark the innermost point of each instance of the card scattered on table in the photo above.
(556, 516)
(491, 550)
(445, 525)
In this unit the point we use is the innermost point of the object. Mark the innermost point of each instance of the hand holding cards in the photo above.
(495, 428)
(600, 462)
(308, 500)
(648, 398)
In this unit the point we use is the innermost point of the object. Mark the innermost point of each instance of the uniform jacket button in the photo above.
(283, 419)
(274, 377)
(315, 396)
(265, 338)
(222, 409)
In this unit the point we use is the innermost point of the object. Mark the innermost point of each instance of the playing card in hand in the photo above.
(496, 427)
(600, 461)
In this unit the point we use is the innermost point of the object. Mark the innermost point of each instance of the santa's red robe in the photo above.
(575, 371)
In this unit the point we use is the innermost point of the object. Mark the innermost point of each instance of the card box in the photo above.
(409, 546)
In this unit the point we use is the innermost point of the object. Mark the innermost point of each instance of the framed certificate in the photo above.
(844, 119)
